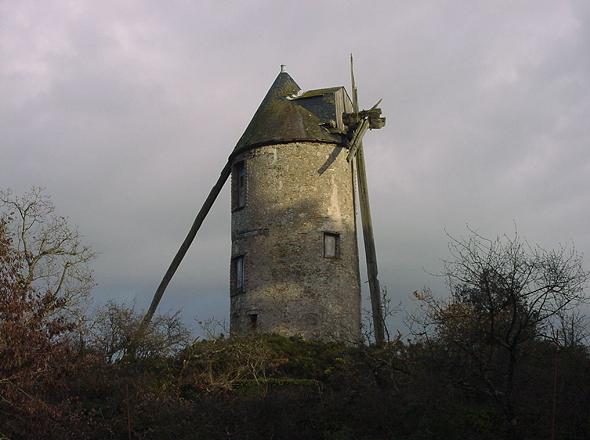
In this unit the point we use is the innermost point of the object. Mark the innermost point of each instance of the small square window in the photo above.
(238, 273)
(331, 245)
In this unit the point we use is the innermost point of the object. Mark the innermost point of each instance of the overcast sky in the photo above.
(127, 110)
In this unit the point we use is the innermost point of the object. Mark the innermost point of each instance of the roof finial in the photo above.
(283, 67)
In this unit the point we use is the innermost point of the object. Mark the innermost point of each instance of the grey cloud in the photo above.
(127, 111)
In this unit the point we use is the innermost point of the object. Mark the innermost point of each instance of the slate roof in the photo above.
(288, 115)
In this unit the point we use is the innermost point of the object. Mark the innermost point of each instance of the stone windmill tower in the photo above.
(294, 263)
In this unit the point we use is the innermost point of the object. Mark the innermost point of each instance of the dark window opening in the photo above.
(253, 321)
(331, 245)
(238, 273)
(239, 185)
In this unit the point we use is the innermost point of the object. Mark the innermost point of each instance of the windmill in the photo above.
(294, 267)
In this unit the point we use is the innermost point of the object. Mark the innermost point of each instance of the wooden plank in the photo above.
(357, 139)
(225, 173)
(370, 252)
(369, 119)
(368, 238)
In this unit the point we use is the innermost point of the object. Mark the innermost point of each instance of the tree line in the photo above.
(504, 354)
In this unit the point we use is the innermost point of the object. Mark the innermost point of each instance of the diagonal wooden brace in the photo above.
(357, 139)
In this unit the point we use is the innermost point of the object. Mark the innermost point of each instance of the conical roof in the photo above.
(282, 118)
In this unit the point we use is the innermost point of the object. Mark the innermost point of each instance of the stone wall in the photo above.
(296, 192)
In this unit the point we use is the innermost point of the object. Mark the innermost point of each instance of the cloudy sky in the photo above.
(125, 111)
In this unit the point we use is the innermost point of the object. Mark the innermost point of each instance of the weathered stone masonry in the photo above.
(292, 199)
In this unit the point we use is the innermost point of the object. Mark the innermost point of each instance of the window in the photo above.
(239, 185)
(238, 273)
(331, 245)
(253, 320)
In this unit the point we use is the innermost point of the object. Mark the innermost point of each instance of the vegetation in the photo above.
(504, 356)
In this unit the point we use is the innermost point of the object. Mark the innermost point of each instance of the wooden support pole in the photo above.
(225, 172)
(368, 238)
(370, 252)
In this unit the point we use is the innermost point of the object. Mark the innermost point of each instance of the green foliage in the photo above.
(286, 388)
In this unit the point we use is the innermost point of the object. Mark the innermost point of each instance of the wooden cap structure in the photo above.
(287, 114)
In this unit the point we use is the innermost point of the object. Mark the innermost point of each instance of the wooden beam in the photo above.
(368, 119)
(225, 173)
(357, 139)
(370, 252)
(368, 238)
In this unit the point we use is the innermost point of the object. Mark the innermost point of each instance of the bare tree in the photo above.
(213, 328)
(504, 294)
(222, 364)
(115, 325)
(55, 259)
(516, 286)
(34, 353)
(568, 328)
(388, 310)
